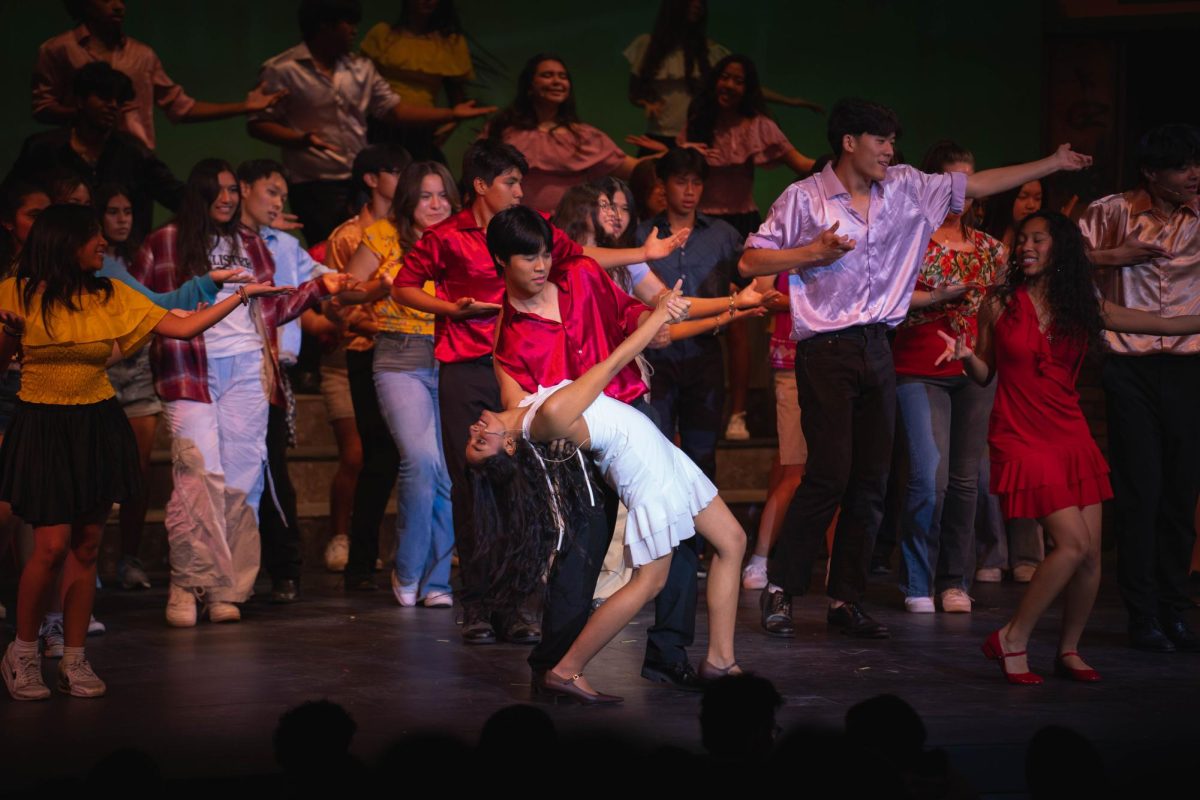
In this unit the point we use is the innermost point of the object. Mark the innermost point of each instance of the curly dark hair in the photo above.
(516, 527)
(1070, 290)
(704, 108)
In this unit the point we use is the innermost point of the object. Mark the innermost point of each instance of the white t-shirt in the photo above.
(236, 333)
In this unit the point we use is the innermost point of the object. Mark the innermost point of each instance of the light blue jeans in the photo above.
(945, 427)
(406, 380)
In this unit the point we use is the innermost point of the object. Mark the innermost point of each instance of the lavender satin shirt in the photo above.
(873, 282)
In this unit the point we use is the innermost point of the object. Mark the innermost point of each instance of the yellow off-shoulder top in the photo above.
(63, 363)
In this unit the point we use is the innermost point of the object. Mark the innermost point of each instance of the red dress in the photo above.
(1043, 455)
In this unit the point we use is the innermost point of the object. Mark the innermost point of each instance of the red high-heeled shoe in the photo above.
(1081, 675)
(994, 650)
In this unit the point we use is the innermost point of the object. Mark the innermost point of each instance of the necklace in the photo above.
(1045, 320)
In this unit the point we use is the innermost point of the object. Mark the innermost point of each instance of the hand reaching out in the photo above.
(259, 98)
(829, 247)
(468, 308)
(647, 143)
(656, 248)
(468, 110)
(956, 349)
(235, 275)
(1070, 161)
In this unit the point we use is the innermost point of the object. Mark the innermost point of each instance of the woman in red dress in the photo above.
(1033, 334)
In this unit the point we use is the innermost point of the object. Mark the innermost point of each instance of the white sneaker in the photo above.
(989, 575)
(919, 605)
(754, 576)
(223, 612)
(181, 607)
(23, 676)
(51, 634)
(405, 595)
(438, 600)
(956, 601)
(132, 575)
(736, 429)
(77, 679)
(337, 553)
(95, 626)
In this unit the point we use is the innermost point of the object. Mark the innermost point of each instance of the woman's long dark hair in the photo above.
(408, 195)
(50, 259)
(196, 232)
(123, 250)
(672, 31)
(516, 528)
(1070, 290)
(941, 155)
(520, 113)
(704, 108)
(579, 210)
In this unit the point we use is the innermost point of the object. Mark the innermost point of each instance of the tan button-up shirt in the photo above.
(1168, 287)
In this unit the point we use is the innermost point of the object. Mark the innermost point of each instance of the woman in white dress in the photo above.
(526, 501)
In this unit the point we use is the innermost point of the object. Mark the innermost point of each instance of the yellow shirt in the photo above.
(64, 364)
(415, 66)
(382, 239)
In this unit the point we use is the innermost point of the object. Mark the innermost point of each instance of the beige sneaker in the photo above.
(988, 575)
(23, 676)
(77, 679)
(736, 430)
(1023, 573)
(223, 612)
(956, 601)
(337, 553)
(181, 607)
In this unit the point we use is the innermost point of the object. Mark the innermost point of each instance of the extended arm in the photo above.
(196, 323)
(994, 181)
(827, 248)
(561, 414)
(1129, 320)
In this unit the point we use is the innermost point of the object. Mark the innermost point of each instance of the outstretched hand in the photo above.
(647, 143)
(235, 275)
(468, 307)
(656, 248)
(672, 305)
(13, 321)
(259, 98)
(469, 110)
(828, 247)
(257, 289)
(956, 349)
(1070, 161)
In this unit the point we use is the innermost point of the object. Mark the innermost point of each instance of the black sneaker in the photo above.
(853, 621)
(777, 613)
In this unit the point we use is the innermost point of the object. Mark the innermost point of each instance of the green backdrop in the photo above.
(969, 71)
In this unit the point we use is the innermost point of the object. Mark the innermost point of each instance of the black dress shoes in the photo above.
(853, 621)
(476, 629)
(523, 627)
(777, 614)
(285, 591)
(1178, 631)
(1145, 633)
(680, 675)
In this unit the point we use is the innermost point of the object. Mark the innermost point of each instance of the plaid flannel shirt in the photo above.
(181, 365)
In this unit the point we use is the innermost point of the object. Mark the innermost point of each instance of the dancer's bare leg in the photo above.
(1080, 594)
(1071, 536)
(608, 620)
(719, 528)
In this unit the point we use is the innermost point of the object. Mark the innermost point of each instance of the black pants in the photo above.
(688, 394)
(846, 383)
(1154, 452)
(280, 534)
(380, 467)
(321, 207)
(465, 389)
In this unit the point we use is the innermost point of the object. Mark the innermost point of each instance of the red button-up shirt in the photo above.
(181, 365)
(596, 317)
(454, 255)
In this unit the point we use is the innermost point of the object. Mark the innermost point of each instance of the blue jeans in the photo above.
(945, 427)
(406, 380)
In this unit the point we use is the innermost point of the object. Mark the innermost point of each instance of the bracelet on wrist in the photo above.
(243, 297)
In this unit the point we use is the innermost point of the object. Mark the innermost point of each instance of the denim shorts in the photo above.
(403, 352)
(134, 383)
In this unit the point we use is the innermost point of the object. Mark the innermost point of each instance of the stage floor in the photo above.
(204, 701)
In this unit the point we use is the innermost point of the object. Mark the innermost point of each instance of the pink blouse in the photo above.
(562, 158)
(732, 157)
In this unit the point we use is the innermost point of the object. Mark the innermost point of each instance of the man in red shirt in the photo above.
(454, 255)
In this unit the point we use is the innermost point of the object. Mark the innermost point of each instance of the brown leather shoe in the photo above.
(565, 688)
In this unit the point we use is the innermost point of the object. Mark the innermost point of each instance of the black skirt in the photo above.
(59, 462)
